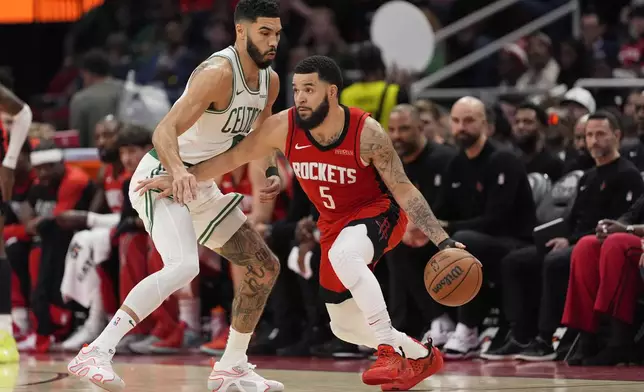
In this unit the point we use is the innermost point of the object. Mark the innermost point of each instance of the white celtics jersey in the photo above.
(218, 130)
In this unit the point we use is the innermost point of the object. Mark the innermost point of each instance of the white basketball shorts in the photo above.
(215, 216)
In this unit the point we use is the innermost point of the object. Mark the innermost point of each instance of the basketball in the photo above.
(453, 277)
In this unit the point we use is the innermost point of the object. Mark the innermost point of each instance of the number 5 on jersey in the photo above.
(328, 200)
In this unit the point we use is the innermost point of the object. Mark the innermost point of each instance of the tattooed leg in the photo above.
(247, 250)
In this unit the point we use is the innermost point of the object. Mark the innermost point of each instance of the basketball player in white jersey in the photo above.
(226, 96)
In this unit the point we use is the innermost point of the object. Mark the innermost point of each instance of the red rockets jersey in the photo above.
(113, 187)
(334, 177)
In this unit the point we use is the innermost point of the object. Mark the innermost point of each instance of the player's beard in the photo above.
(465, 140)
(316, 118)
(108, 155)
(257, 56)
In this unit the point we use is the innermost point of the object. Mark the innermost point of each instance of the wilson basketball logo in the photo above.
(448, 279)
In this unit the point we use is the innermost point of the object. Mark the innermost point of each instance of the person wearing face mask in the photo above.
(528, 129)
(485, 203)
(91, 245)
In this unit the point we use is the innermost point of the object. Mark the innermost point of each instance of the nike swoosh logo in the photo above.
(240, 91)
(298, 147)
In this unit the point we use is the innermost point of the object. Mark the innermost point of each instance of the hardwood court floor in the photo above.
(189, 374)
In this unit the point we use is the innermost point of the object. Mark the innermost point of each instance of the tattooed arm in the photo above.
(376, 149)
(211, 83)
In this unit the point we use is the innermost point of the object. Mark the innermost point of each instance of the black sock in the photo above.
(5, 286)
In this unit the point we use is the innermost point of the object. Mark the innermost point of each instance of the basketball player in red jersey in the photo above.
(9, 151)
(349, 169)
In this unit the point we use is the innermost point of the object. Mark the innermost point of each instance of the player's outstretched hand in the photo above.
(271, 189)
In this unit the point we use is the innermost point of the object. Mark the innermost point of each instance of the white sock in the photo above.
(20, 316)
(190, 312)
(118, 327)
(5, 324)
(236, 348)
(380, 324)
(412, 349)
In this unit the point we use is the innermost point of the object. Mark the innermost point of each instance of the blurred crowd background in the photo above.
(566, 100)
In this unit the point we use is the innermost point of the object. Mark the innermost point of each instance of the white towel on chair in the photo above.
(88, 249)
(295, 267)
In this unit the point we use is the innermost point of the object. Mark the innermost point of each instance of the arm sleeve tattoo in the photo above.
(376, 148)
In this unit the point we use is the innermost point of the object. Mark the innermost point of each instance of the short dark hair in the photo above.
(541, 114)
(134, 135)
(96, 62)
(325, 67)
(369, 58)
(613, 121)
(250, 10)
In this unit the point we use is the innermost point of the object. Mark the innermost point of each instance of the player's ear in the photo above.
(240, 30)
(333, 91)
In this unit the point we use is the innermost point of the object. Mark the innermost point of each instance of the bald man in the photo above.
(425, 163)
(486, 203)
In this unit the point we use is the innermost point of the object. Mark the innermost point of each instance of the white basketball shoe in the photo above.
(240, 378)
(95, 365)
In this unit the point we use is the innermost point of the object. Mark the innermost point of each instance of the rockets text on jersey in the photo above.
(334, 177)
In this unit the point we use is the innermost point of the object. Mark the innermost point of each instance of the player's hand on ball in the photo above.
(450, 243)
(271, 190)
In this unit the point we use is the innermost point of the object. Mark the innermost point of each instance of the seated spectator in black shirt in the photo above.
(534, 286)
(605, 282)
(530, 122)
(425, 163)
(485, 203)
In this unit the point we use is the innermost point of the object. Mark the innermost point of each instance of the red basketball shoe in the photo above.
(390, 367)
(422, 368)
